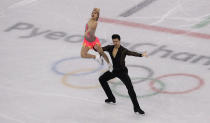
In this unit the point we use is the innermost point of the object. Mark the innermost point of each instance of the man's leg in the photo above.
(103, 81)
(124, 77)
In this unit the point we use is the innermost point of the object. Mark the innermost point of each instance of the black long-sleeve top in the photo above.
(119, 60)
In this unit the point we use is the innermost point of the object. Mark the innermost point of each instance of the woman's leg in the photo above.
(101, 52)
(84, 53)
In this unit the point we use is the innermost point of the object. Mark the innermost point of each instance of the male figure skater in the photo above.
(118, 54)
(91, 41)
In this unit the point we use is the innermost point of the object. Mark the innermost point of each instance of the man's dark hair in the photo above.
(114, 36)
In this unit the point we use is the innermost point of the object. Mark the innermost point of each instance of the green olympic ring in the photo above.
(114, 85)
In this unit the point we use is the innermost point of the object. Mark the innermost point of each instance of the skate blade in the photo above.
(139, 114)
(111, 103)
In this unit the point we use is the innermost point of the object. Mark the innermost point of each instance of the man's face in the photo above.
(116, 42)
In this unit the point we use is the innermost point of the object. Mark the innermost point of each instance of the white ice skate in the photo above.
(99, 59)
(110, 67)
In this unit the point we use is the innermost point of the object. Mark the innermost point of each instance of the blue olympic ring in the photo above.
(54, 67)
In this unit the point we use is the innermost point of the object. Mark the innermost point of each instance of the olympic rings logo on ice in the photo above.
(55, 69)
(135, 80)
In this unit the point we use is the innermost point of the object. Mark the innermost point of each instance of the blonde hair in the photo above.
(97, 10)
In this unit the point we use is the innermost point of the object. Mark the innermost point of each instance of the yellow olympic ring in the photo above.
(64, 80)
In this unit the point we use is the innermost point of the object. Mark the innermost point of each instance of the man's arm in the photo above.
(106, 48)
(132, 53)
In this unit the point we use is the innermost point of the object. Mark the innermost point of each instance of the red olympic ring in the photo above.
(201, 83)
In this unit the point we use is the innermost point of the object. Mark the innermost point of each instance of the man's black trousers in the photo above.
(124, 77)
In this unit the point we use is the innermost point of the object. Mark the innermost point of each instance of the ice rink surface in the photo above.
(44, 80)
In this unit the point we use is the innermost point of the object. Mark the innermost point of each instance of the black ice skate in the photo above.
(139, 111)
(110, 101)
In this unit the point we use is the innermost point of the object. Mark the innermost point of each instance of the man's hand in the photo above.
(144, 54)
